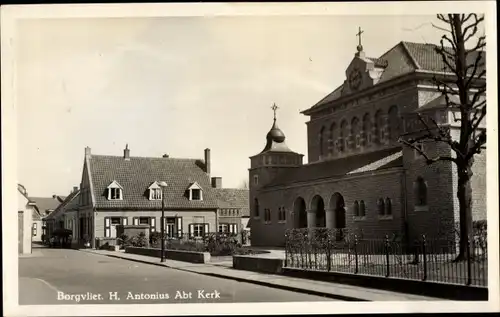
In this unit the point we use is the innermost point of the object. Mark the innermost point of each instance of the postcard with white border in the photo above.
(249, 158)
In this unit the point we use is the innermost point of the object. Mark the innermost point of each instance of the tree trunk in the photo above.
(464, 194)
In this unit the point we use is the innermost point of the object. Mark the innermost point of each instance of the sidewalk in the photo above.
(326, 289)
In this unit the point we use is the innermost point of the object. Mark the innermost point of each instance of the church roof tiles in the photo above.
(339, 168)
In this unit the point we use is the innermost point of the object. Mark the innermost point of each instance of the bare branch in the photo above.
(440, 28)
(428, 160)
(477, 118)
(479, 142)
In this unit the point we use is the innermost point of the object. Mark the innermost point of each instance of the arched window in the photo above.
(394, 124)
(388, 207)
(355, 133)
(381, 206)
(343, 134)
(356, 209)
(256, 207)
(366, 129)
(420, 192)
(362, 208)
(333, 138)
(322, 142)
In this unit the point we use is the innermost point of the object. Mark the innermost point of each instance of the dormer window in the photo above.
(155, 192)
(115, 191)
(195, 192)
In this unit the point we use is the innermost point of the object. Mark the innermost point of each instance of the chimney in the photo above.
(75, 189)
(207, 161)
(166, 156)
(88, 153)
(126, 153)
(217, 182)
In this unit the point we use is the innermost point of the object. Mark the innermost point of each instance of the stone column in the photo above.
(311, 218)
(330, 218)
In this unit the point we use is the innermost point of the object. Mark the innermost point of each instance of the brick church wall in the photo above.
(367, 186)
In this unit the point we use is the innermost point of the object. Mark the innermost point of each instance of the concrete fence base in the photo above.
(426, 288)
(177, 255)
(258, 264)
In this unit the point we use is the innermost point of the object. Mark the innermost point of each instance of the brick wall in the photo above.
(405, 99)
(368, 187)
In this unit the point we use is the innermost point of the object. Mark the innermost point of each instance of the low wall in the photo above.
(432, 289)
(177, 255)
(258, 264)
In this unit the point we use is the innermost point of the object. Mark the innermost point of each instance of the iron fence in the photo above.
(334, 250)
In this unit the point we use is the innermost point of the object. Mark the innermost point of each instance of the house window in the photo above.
(144, 220)
(115, 193)
(155, 194)
(227, 228)
(198, 230)
(110, 224)
(34, 229)
(420, 192)
(256, 179)
(195, 194)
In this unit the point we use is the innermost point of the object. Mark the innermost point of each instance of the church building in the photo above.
(359, 177)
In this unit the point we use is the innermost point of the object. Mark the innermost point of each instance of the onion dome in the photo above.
(275, 134)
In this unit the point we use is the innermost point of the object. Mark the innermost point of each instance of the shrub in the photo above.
(139, 240)
(155, 238)
(123, 241)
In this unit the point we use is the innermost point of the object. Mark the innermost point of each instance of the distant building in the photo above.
(126, 190)
(25, 211)
(359, 177)
(64, 216)
(43, 207)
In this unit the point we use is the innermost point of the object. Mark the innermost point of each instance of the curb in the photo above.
(239, 279)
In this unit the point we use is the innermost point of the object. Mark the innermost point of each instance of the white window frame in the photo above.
(197, 232)
(192, 187)
(116, 189)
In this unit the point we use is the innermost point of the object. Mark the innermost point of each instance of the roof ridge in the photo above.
(149, 157)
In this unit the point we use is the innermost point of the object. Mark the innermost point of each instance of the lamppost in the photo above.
(163, 185)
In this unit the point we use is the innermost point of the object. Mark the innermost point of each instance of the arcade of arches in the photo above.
(320, 214)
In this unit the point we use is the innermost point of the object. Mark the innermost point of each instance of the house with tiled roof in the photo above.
(43, 207)
(64, 216)
(126, 190)
(358, 177)
(234, 208)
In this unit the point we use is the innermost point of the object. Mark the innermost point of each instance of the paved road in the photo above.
(87, 278)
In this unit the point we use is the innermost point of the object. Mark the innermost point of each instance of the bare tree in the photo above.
(463, 85)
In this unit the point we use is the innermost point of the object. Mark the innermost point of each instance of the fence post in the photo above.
(424, 242)
(469, 273)
(387, 255)
(356, 253)
(286, 248)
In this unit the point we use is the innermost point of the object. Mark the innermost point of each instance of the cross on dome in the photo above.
(360, 47)
(274, 108)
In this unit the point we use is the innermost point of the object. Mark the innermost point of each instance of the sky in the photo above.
(178, 85)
